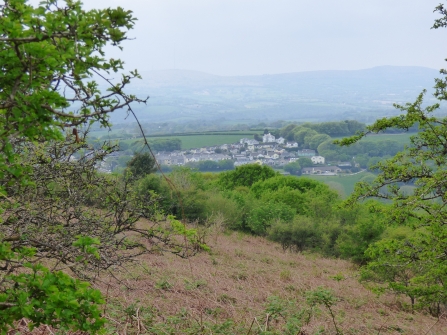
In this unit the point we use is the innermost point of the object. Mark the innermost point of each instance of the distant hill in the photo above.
(181, 95)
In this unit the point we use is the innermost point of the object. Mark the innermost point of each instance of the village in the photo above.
(274, 152)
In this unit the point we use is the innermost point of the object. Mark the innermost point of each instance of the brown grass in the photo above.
(234, 280)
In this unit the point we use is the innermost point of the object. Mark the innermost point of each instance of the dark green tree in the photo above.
(362, 160)
(354, 126)
(303, 133)
(245, 175)
(293, 168)
(141, 165)
(305, 162)
(316, 140)
(226, 164)
(208, 166)
(261, 217)
(287, 131)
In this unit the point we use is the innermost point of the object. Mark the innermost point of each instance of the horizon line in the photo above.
(293, 72)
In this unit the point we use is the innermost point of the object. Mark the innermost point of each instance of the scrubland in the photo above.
(249, 285)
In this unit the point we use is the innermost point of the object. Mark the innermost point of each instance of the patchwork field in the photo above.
(194, 140)
(198, 141)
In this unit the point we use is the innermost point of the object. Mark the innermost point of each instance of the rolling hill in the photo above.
(365, 95)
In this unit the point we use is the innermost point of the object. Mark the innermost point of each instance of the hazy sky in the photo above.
(241, 37)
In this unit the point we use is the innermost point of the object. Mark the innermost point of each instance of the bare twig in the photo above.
(251, 326)
(434, 324)
(260, 328)
(267, 322)
(381, 326)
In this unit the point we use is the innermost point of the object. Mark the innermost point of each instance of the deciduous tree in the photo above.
(74, 219)
(51, 57)
(245, 175)
(141, 165)
(417, 264)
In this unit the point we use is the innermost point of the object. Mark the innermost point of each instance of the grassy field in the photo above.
(344, 185)
(403, 138)
(236, 280)
(189, 140)
(198, 141)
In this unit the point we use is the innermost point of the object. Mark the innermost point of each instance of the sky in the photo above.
(254, 37)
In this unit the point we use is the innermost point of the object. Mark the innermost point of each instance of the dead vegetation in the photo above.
(165, 294)
(234, 282)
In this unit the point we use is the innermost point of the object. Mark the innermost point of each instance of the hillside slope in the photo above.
(237, 279)
(248, 285)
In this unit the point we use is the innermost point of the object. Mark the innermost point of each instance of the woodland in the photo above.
(65, 227)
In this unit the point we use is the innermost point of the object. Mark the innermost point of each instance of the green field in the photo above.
(344, 185)
(189, 140)
(403, 138)
(198, 141)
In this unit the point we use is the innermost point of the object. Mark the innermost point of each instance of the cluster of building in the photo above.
(274, 152)
(271, 151)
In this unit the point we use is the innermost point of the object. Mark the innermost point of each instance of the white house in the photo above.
(326, 170)
(252, 142)
(317, 159)
(280, 140)
(268, 138)
(305, 153)
(292, 145)
(163, 159)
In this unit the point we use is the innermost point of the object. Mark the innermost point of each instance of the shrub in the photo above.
(303, 233)
(355, 239)
(261, 217)
(278, 182)
(141, 165)
(216, 204)
(245, 175)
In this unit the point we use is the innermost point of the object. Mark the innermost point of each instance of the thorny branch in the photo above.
(68, 198)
